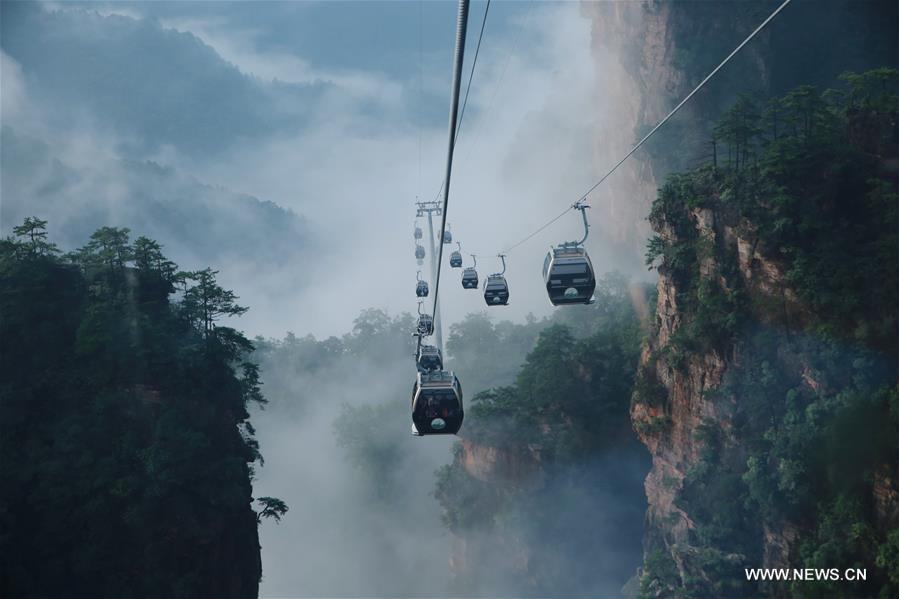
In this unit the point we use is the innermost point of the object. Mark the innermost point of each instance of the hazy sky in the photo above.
(338, 112)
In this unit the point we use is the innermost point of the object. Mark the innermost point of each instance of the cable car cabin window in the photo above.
(569, 269)
(546, 262)
(437, 412)
(437, 404)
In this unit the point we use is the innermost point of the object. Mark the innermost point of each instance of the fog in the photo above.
(343, 153)
(292, 166)
(349, 532)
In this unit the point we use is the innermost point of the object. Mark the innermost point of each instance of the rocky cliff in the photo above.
(650, 54)
(544, 495)
(767, 390)
(746, 368)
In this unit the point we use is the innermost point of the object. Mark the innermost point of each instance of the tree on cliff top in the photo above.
(127, 450)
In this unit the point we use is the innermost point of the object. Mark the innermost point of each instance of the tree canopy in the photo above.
(127, 449)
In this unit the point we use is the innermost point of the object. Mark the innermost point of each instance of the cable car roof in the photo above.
(568, 250)
(437, 378)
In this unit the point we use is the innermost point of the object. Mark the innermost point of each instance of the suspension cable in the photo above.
(474, 63)
(499, 83)
(461, 28)
(658, 126)
(421, 90)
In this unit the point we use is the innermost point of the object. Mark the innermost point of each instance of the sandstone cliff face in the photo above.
(661, 51)
(670, 428)
(501, 466)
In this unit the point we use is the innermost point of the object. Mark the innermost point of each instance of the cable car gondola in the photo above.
(456, 256)
(425, 323)
(470, 275)
(421, 288)
(568, 271)
(496, 290)
(418, 234)
(429, 358)
(436, 404)
(447, 235)
(419, 252)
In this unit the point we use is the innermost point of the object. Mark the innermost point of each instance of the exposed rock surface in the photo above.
(663, 50)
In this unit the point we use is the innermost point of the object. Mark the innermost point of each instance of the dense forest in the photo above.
(127, 448)
(546, 486)
(777, 261)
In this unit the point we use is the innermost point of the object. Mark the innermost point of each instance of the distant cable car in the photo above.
(418, 233)
(419, 252)
(470, 275)
(421, 288)
(425, 323)
(456, 256)
(429, 358)
(568, 271)
(436, 404)
(496, 290)
(447, 235)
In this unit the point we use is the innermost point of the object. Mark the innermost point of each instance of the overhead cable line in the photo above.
(502, 75)
(658, 126)
(454, 111)
(474, 63)
(421, 88)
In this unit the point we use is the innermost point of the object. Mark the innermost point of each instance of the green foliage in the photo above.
(817, 203)
(472, 348)
(738, 129)
(569, 469)
(272, 507)
(660, 575)
(888, 558)
(33, 233)
(647, 388)
(123, 425)
(811, 401)
(653, 425)
(469, 504)
(571, 395)
(876, 91)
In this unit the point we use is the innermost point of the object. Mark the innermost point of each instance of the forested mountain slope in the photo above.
(544, 495)
(767, 392)
(127, 450)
